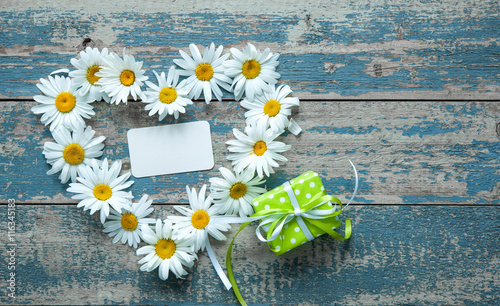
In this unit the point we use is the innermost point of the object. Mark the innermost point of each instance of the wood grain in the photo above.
(347, 49)
(406, 152)
(397, 255)
(406, 89)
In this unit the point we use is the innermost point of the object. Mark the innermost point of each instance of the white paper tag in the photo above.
(167, 149)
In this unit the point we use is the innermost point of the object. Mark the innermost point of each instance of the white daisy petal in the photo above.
(204, 72)
(62, 105)
(249, 151)
(273, 107)
(72, 151)
(165, 251)
(127, 229)
(231, 196)
(196, 219)
(167, 98)
(252, 71)
(120, 78)
(84, 77)
(94, 187)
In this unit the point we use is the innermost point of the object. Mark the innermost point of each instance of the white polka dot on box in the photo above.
(171, 244)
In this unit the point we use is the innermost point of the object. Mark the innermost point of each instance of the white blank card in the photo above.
(167, 149)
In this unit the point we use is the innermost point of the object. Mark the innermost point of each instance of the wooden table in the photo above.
(408, 90)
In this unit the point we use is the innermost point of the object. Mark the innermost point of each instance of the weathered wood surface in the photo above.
(444, 154)
(406, 152)
(397, 255)
(344, 49)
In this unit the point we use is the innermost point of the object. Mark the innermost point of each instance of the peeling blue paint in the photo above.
(421, 238)
(416, 199)
(350, 80)
(424, 150)
(345, 130)
(437, 169)
(435, 127)
(482, 174)
(363, 200)
(471, 66)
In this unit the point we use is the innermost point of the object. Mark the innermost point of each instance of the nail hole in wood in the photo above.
(86, 41)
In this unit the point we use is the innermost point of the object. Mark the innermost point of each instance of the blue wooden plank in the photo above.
(406, 153)
(306, 74)
(376, 52)
(397, 255)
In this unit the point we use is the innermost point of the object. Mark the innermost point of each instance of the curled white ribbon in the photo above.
(355, 185)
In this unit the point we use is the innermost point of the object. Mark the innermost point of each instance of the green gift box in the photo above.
(292, 214)
(305, 188)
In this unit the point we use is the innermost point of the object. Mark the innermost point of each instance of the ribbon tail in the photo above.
(230, 268)
(332, 233)
(355, 187)
(217, 266)
(293, 127)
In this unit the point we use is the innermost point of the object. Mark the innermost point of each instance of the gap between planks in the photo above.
(309, 100)
(352, 204)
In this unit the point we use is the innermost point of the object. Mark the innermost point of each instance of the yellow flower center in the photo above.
(102, 192)
(168, 95)
(251, 69)
(204, 72)
(91, 77)
(200, 219)
(272, 108)
(127, 77)
(238, 190)
(74, 154)
(260, 148)
(165, 248)
(129, 222)
(65, 102)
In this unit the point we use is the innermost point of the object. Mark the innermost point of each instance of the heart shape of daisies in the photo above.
(99, 75)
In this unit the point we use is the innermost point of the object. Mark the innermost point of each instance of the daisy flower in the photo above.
(121, 77)
(126, 226)
(165, 251)
(61, 104)
(204, 72)
(257, 150)
(251, 71)
(167, 97)
(200, 220)
(100, 187)
(274, 107)
(84, 77)
(233, 194)
(72, 151)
